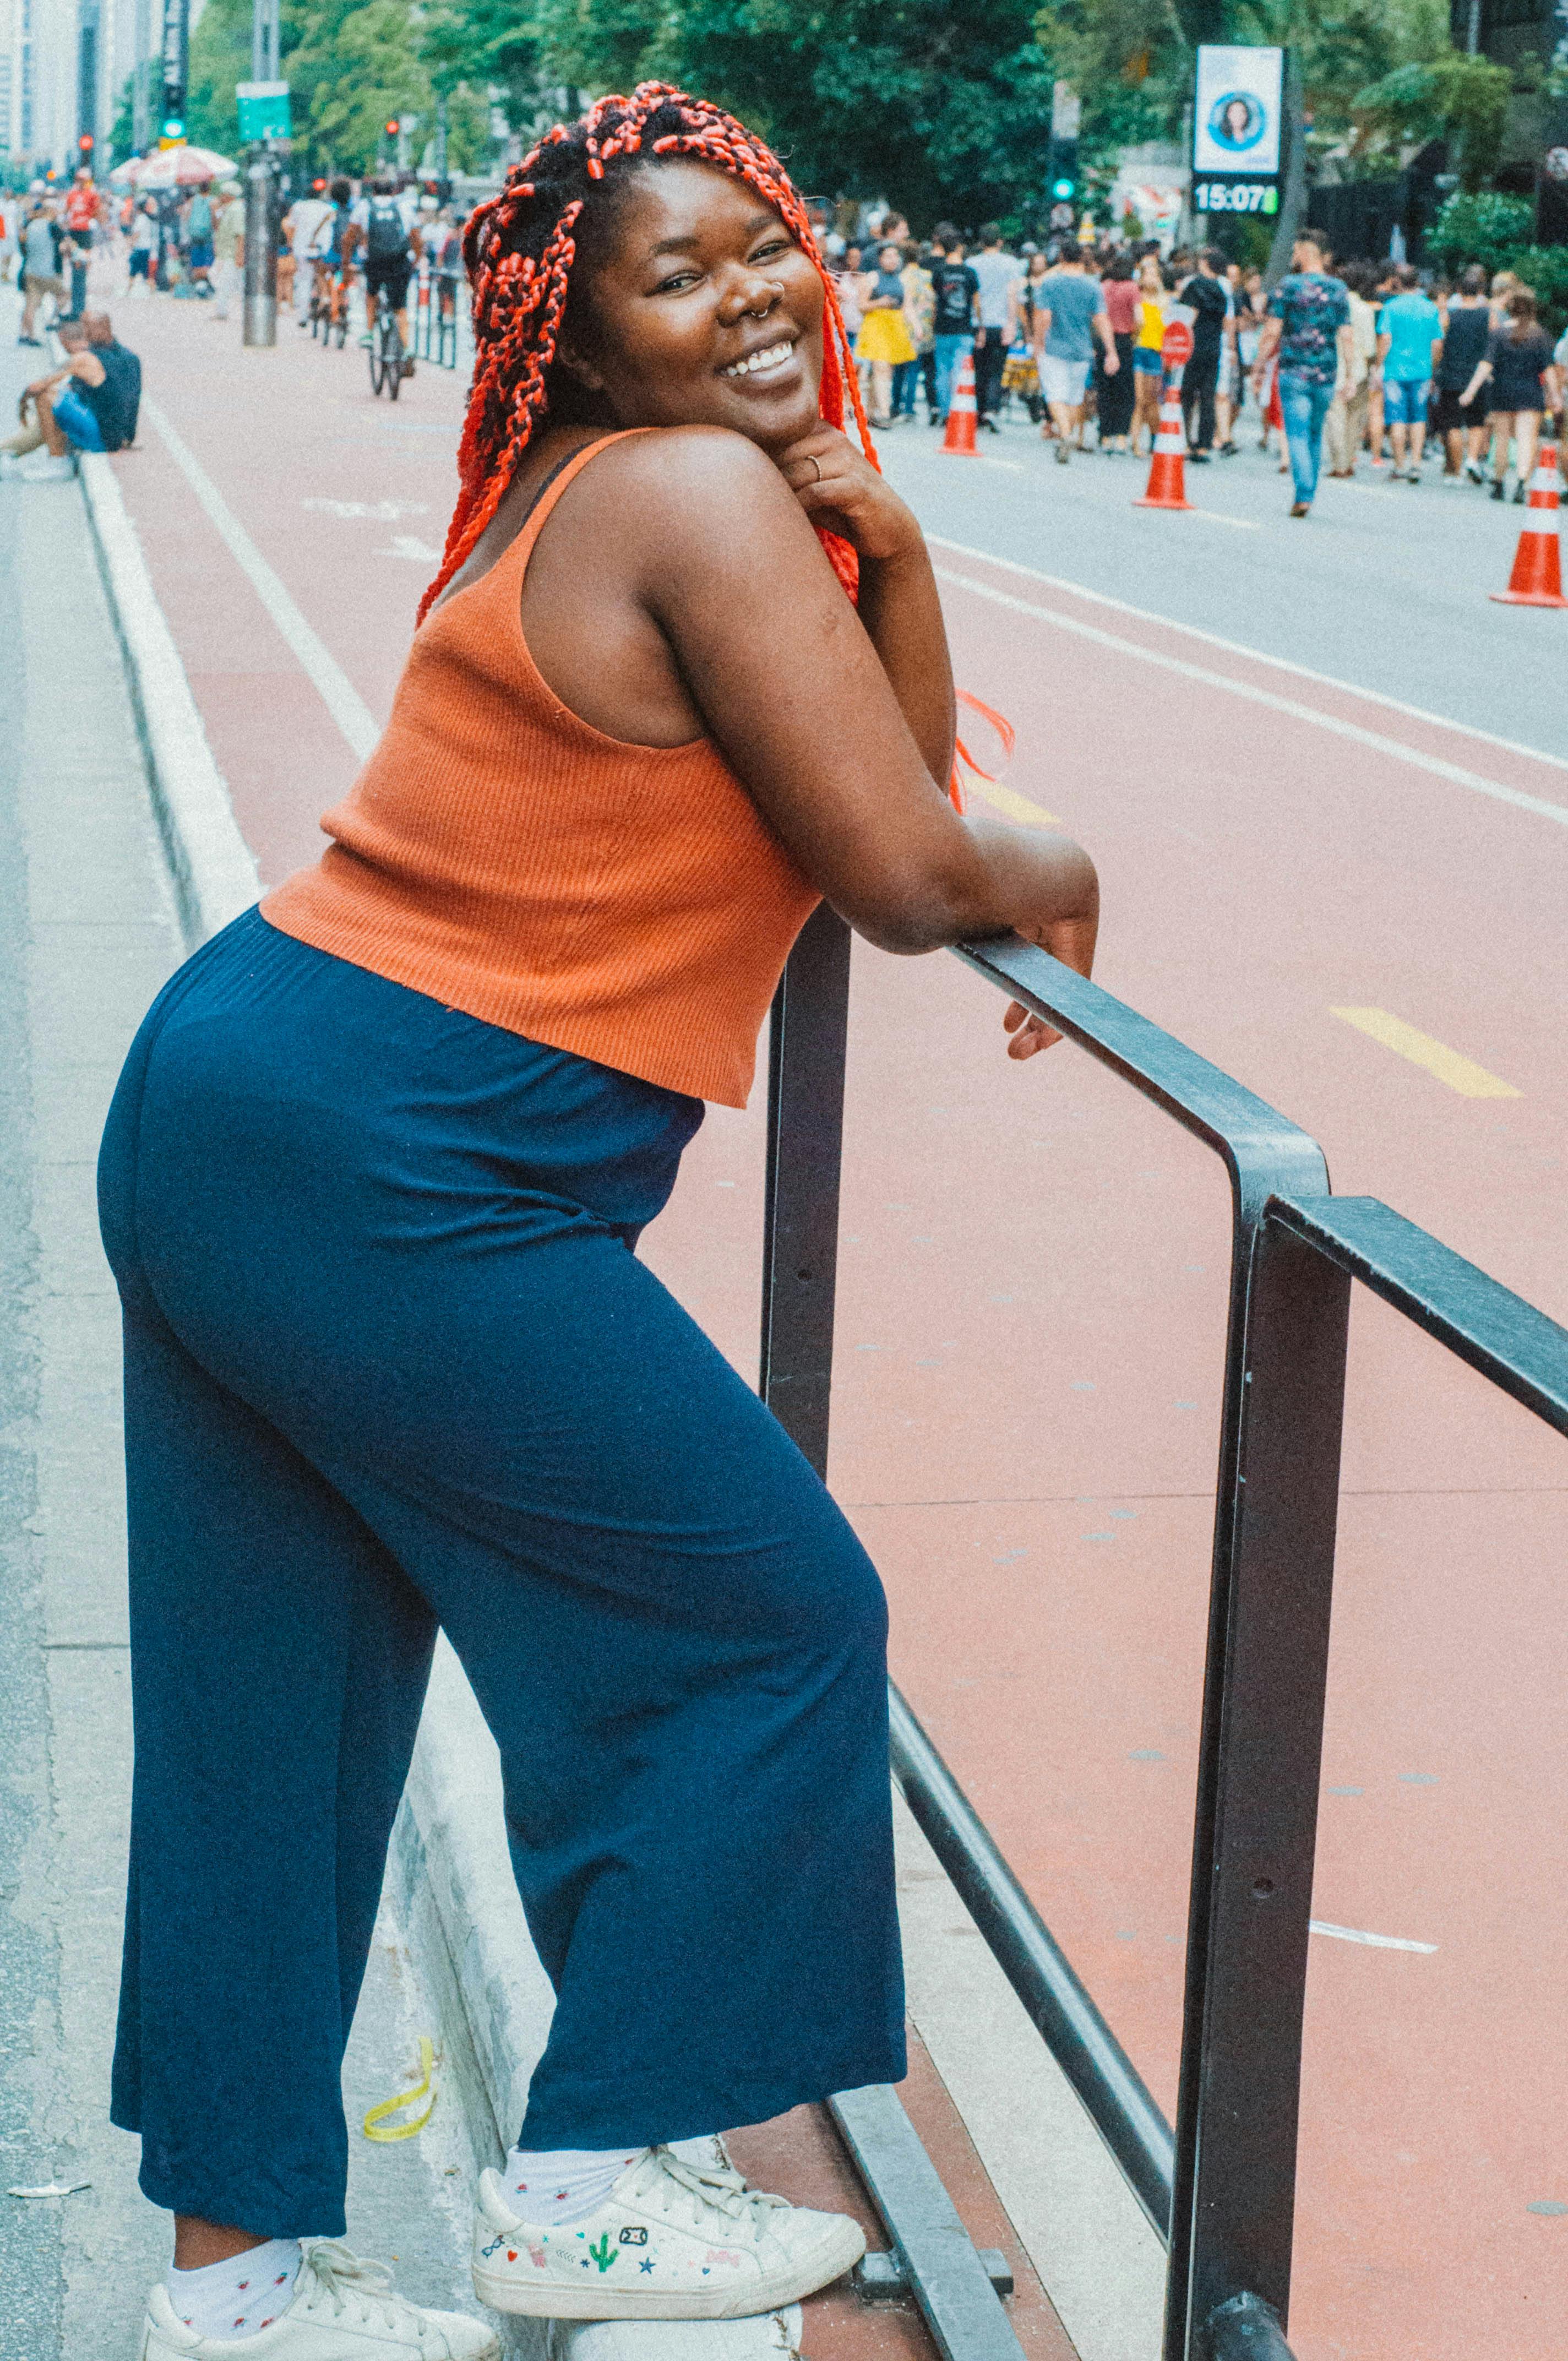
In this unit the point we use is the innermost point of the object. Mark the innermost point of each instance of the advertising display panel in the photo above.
(1237, 120)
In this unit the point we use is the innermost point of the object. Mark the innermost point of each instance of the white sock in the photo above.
(236, 2297)
(556, 2185)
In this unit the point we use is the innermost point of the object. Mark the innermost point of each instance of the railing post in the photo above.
(808, 1034)
(1258, 1806)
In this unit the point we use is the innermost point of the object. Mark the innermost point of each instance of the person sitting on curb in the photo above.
(89, 405)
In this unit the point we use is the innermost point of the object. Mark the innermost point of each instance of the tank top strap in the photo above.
(514, 558)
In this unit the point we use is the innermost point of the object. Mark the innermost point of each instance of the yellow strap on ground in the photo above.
(375, 2122)
(1009, 802)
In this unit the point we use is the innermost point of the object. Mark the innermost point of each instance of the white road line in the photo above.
(1253, 655)
(1378, 1942)
(1394, 747)
(337, 692)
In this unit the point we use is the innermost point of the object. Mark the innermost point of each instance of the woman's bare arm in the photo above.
(795, 688)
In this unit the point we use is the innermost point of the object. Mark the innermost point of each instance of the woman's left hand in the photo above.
(838, 487)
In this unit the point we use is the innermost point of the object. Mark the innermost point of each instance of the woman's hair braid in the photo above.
(519, 248)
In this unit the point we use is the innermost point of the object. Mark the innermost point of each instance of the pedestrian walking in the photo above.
(43, 246)
(1466, 335)
(1309, 328)
(1069, 315)
(81, 212)
(1021, 372)
(143, 249)
(1410, 336)
(1519, 375)
(998, 273)
(196, 238)
(1118, 393)
(1346, 425)
(955, 318)
(1204, 294)
(371, 1188)
(885, 342)
(228, 249)
(919, 315)
(1148, 363)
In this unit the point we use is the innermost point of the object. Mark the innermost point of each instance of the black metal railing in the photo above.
(437, 297)
(1221, 2189)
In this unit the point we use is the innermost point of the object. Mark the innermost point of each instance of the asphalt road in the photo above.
(1325, 780)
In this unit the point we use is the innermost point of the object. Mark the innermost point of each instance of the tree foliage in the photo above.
(937, 108)
(1462, 99)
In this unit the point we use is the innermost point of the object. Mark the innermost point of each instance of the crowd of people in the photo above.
(1373, 357)
(1354, 359)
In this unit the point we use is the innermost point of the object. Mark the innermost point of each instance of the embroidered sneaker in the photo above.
(673, 2241)
(341, 2310)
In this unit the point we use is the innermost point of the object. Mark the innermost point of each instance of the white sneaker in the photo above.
(45, 468)
(673, 2241)
(341, 2310)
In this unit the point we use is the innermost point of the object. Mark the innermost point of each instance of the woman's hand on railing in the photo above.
(1068, 935)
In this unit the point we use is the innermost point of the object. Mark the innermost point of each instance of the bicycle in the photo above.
(329, 304)
(388, 356)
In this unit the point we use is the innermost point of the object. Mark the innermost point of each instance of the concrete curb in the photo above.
(448, 1869)
(213, 868)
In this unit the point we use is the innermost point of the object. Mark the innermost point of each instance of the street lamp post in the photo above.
(260, 249)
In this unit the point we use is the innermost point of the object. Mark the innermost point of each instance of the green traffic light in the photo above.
(1061, 188)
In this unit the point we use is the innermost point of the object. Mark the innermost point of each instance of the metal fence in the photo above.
(1220, 2190)
(439, 298)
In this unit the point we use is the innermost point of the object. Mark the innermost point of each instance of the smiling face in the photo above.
(699, 310)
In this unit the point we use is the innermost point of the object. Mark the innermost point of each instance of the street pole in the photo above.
(140, 126)
(260, 249)
(1293, 192)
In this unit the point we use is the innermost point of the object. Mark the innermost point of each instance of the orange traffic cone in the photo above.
(960, 436)
(1537, 577)
(1166, 484)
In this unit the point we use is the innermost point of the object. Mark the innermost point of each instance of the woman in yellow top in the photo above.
(884, 340)
(1149, 368)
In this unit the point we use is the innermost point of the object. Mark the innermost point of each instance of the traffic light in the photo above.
(393, 127)
(86, 143)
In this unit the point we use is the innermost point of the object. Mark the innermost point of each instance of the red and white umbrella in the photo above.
(180, 168)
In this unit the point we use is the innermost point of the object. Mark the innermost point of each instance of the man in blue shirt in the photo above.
(1069, 312)
(1410, 333)
(1309, 324)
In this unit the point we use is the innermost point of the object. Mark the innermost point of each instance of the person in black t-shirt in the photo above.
(1204, 294)
(957, 290)
(1521, 384)
(1466, 334)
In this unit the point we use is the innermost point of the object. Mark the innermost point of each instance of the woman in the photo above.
(1148, 364)
(1520, 370)
(919, 311)
(1117, 391)
(1020, 372)
(884, 342)
(371, 1187)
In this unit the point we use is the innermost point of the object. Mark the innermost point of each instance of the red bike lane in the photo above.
(1032, 1299)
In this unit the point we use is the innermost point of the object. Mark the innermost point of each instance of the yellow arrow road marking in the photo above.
(1462, 1074)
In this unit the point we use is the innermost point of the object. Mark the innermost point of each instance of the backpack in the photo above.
(199, 220)
(385, 234)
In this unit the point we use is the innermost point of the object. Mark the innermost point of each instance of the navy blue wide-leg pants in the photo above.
(391, 1364)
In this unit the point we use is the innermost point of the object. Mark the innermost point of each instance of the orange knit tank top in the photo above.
(498, 853)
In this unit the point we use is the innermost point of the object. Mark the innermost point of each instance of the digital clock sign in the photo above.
(1235, 197)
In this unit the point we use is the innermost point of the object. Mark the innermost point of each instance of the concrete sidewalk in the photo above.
(88, 932)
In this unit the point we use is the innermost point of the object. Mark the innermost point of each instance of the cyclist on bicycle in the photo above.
(328, 245)
(385, 225)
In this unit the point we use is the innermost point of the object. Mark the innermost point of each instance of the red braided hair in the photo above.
(520, 249)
